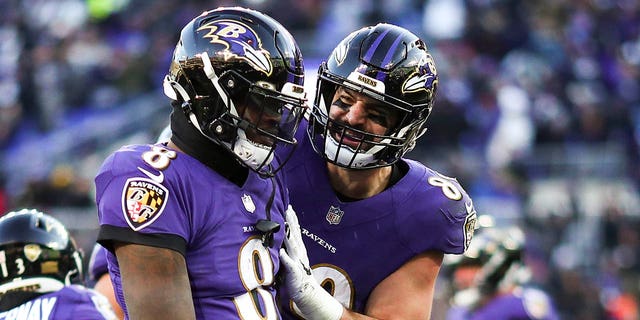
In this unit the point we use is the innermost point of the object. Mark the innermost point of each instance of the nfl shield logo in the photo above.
(248, 203)
(334, 215)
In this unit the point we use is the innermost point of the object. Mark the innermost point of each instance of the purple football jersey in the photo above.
(69, 303)
(98, 262)
(522, 303)
(353, 246)
(145, 190)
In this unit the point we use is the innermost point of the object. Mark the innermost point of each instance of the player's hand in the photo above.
(310, 300)
(293, 239)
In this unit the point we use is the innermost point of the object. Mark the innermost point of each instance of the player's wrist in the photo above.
(316, 303)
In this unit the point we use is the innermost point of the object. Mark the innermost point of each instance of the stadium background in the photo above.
(537, 114)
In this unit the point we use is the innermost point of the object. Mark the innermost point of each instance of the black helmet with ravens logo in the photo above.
(237, 75)
(391, 67)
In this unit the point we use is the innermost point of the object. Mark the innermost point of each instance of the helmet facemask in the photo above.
(250, 119)
(388, 68)
(370, 150)
(264, 117)
(238, 75)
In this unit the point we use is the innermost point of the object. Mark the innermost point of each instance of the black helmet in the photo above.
(498, 252)
(36, 253)
(389, 65)
(238, 75)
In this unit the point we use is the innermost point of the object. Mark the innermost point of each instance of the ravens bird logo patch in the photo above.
(143, 200)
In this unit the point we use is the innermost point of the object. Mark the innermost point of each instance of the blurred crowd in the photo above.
(537, 114)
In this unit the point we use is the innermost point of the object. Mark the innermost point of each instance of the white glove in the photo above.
(311, 301)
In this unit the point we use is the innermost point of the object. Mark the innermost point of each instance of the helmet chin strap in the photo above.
(252, 154)
(249, 152)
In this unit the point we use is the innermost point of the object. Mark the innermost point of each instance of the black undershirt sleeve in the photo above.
(108, 235)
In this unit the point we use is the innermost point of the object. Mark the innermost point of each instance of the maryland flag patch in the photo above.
(143, 201)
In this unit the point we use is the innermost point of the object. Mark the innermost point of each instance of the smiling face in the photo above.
(361, 113)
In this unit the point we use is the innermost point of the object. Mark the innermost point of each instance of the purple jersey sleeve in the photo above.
(98, 262)
(70, 303)
(435, 207)
(133, 195)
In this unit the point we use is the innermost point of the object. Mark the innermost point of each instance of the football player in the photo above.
(41, 271)
(490, 280)
(193, 225)
(375, 224)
